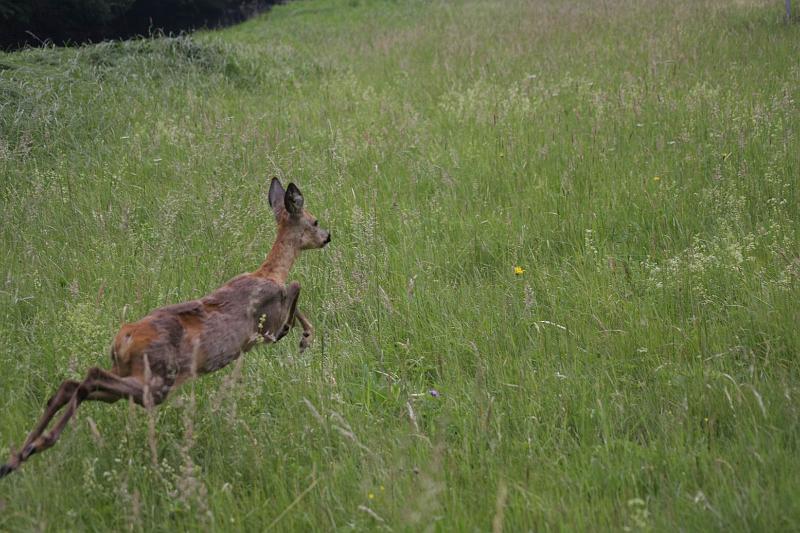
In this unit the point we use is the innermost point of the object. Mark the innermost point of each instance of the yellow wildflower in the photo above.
(518, 270)
(656, 178)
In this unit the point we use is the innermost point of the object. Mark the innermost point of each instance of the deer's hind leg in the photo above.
(54, 405)
(99, 385)
(64, 393)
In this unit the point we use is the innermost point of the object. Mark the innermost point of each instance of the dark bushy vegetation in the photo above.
(74, 21)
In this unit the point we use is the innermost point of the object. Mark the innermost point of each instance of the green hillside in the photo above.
(637, 160)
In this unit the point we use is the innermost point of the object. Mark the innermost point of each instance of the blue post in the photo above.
(788, 10)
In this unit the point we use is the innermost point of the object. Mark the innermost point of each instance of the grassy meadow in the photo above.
(638, 160)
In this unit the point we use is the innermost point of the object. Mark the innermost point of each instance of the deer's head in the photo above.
(299, 227)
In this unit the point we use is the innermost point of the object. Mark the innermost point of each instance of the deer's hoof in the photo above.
(5, 470)
(306, 341)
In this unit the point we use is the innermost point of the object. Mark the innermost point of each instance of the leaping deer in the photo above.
(178, 342)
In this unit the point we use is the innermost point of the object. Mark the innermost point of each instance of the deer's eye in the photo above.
(316, 223)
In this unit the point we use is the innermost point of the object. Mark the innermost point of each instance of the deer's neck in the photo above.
(279, 260)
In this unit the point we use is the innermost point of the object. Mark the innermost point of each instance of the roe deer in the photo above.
(177, 342)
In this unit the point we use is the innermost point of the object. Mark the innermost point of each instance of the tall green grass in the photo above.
(639, 160)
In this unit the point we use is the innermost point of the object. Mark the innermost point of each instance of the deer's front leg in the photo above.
(308, 331)
(289, 309)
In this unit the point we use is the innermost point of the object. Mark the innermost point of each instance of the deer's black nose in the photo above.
(328, 238)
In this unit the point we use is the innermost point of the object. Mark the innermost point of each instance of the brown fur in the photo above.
(177, 342)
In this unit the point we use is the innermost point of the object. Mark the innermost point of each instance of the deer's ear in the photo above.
(276, 195)
(293, 199)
